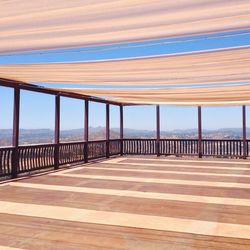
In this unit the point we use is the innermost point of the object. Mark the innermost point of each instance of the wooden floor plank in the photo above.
(145, 206)
(115, 204)
(164, 175)
(139, 194)
(127, 220)
(42, 233)
(210, 183)
(142, 186)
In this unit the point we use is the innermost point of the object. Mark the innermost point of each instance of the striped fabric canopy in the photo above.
(191, 69)
(44, 24)
(219, 66)
(208, 96)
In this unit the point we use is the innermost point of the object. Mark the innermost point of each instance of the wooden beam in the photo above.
(158, 132)
(35, 88)
(244, 132)
(86, 129)
(107, 129)
(57, 131)
(15, 137)
(121, 128)
(199, 132)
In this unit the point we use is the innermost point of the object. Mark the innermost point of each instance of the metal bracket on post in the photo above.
(57, 131)
(199, 133)
(158, 133)
(15, 138)
(86, 130)
(244, 133)
(107, 130)
(121, 129)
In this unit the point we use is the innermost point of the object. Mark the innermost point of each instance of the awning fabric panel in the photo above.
(219, 66)
(219, 95)
(44, 24)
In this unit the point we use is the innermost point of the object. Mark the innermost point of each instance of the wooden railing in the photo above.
(139, 146)
(6, 161)
(115, 147)
(96, 149)
(35, 157)
(226, 148)
(179, 147)
(42, 157)
(71, 152)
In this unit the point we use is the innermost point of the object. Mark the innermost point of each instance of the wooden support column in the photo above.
(57, 131)
(107, 129)
(121, 128)
(158, 132)
(199, 132)
(244, 132)
(15, 137)
(86, 130)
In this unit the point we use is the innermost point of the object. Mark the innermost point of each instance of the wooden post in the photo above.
(121, 128)
(57, 131)
(86, 130)
(107, 129)
(244, 133)
(199, 133)
(15, 137)
(158, 133)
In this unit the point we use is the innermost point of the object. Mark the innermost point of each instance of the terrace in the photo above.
(198, 198)
(124, 192)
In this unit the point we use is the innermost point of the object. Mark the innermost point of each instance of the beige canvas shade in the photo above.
(205, 67)
(44, 24)
(219, 95)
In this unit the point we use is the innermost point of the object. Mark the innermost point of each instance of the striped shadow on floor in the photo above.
(158, 180)
(127, 220)
(138, 194)
(111, 193)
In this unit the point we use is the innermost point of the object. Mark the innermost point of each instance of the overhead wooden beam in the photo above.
(31, 87)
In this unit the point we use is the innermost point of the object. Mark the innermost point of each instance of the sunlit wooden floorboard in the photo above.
(130, 203)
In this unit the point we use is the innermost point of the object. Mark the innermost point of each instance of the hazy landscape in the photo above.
(37, 136)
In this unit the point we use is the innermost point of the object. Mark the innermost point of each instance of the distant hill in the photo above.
(33, 136)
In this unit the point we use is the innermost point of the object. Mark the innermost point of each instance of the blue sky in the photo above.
(37, 110)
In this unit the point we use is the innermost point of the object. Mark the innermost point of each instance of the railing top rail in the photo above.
(125, 139)
(96, 141)
(142, 139)
(178, 139)
(6, 148)
(222, 140)
(72, 142)
(36, 145)
(182, 139)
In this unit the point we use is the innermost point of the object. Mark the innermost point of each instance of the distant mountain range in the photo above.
(33, 136)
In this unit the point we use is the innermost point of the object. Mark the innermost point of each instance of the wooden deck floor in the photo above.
(130, 203)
